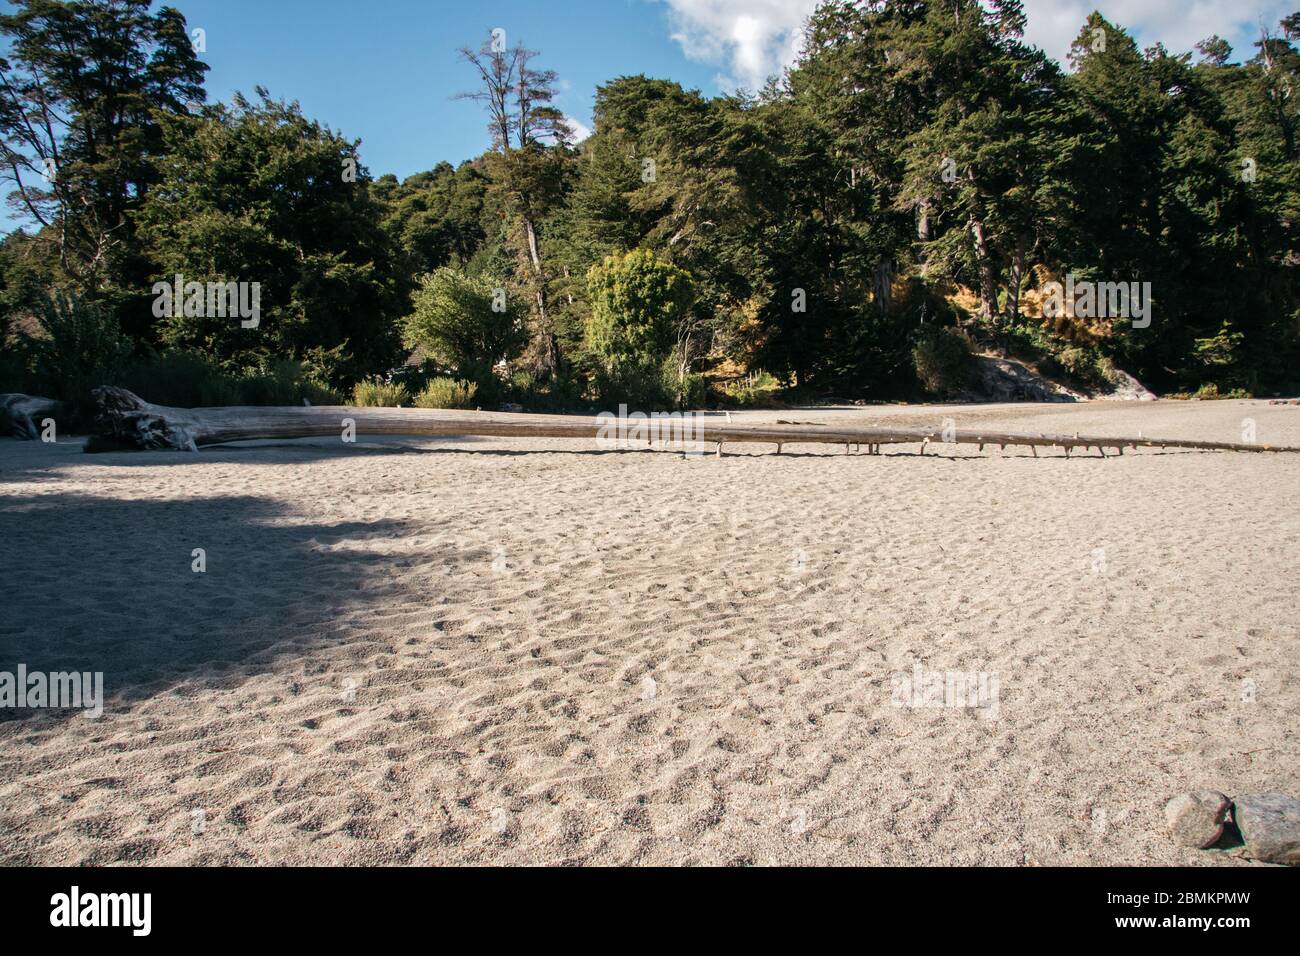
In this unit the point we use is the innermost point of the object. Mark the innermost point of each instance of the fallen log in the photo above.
(21, 414)
(125, 419)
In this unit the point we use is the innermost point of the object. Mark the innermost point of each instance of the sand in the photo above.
(534, 652)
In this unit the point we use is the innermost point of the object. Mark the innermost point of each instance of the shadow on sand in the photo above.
(106, 584)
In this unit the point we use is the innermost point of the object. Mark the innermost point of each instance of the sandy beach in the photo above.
(535, 651)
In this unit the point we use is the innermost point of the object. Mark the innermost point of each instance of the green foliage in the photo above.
(637, 305)
(755, 390)
(190, 380)
(1084, 367)
(376, 393)
(447, 393)
(465, 323)
(559, 393)
(1208, 393)
(256, 193)
(814, 229)
(690, 391)
(641, 387)
(436, 217)
(285, 382)
(943, 361)
(87, 84)
(78, 347)
(182, 380)
(1221, 349)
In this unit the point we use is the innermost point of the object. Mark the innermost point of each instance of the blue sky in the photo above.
(387, 71)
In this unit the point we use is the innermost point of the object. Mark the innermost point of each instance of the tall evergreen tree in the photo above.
(82, 91)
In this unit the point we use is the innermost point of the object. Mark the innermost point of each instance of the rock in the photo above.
(1128, 389)
(1270, 826)
(999, 379)
(1197, 819)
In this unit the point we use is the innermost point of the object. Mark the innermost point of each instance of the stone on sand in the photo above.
(1270, 826)
(1196, 819)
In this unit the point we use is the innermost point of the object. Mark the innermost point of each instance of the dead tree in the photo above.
(125, 419)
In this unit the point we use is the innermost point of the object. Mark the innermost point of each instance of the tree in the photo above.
(437, 216)
(973, 165)
(256, 192)
(638, 303)
(81, 95)
(528, 174)
(1166, 202)
(467, 324)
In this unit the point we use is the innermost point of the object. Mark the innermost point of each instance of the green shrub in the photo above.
(523, 385)
(1086, 367)
(1026, 341)
(15, 372)
(447, 393)
(192, 380)
(691, 391)
(943, 362)
(285, 382)
(181, 380)
(465, 323)
(377, 393)
(1209, 392)
(756, 389)
(78, 347)
(637, 303)
(640, 387)
(560, 393)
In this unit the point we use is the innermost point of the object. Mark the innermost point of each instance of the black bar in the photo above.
(939, 907)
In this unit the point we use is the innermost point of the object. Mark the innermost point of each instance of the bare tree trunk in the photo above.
(988, 281)
(1013, 289)
(545, 351)
(883, 284)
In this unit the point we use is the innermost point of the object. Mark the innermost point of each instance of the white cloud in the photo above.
(580, 129)
(1179, 24)
(750, 40)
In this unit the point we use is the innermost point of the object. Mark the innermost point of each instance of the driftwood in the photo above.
(20, 415)
(125, 419)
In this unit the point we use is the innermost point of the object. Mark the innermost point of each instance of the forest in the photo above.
(860, 229)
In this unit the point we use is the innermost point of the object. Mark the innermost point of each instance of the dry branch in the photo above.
(127, 419)
(19, 414)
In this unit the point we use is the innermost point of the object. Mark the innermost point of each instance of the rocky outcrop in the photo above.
(1128, 389)
(998, 379)
(1006, 380)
